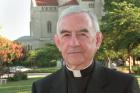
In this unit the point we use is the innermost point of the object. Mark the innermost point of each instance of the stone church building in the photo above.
(44, 16)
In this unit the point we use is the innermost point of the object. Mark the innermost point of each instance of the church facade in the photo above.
(44, 16)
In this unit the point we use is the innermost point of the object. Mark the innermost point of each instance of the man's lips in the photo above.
(74, 52)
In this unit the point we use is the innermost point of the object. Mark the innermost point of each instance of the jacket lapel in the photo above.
(59, 84)
(98, 80)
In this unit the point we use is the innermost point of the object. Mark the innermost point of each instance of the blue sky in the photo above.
(14, 18)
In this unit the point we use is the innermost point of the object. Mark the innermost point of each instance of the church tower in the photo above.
(45, 13)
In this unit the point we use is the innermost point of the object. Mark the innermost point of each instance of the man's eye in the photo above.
(65, 35)
(82, 34)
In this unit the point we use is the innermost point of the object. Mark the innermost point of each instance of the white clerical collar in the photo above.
(77, 73)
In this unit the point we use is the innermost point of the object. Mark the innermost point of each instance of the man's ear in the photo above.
(99, 38)
(57, 41)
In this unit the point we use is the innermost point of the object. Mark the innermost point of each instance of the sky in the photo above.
(14, 18)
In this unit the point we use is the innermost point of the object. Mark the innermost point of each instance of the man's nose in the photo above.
(74, 41)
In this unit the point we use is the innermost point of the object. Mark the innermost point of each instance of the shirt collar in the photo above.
(81, 73)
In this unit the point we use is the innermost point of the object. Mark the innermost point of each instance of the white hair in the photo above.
(79, 9)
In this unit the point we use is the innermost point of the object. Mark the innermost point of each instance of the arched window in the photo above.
(91, 5)
(28, 47)
(49, 27)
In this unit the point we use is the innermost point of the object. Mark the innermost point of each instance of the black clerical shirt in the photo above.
(78, 84)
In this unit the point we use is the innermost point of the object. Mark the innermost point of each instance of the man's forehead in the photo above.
(77, 14)
(76, 19)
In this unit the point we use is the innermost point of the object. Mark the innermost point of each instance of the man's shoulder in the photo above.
(122, 81)
(116, 81)
(113, 75)
(111, 72)
(44, 84)
(48, 79)
(118, 76)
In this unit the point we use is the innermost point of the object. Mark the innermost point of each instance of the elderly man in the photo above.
(78, 38)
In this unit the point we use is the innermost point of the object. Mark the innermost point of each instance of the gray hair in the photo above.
(79, 9)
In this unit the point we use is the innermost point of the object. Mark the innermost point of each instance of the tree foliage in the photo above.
(46, 56)
(109, 6)
(124, 25)
(136, 51)
(121, 30)
(10, 51)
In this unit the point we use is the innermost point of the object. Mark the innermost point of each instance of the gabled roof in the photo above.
(46, 2)
(71, 2)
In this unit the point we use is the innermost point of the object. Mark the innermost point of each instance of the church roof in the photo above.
(24, 38)
(71, 2)
(46, 2)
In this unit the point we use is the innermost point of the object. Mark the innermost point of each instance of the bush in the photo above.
(136, 69)
(44, 57)
(18, 76)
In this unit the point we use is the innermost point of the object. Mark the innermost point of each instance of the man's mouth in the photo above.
(77, 52)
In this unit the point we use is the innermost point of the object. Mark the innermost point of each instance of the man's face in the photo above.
(77, 40)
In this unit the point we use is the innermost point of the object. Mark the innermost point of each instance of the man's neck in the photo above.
(79, 67)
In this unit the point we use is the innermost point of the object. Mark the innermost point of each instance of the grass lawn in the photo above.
(138, 77)
(44, 70)
(23, 86)
(139, 81)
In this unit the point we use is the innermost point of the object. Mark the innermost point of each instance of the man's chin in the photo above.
(75, 62)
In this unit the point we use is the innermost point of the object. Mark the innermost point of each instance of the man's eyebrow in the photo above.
(81, 30)
(64, 31)
(84, 30)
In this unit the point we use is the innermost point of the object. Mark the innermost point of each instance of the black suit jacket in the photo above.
(103, 80)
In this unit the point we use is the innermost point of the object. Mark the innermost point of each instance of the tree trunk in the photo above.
(134, 61)
(109, 62)
(130, 64)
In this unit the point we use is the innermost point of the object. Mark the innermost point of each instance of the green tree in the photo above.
(46, 56)
(121, 28)
(109, 6)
